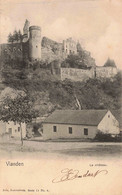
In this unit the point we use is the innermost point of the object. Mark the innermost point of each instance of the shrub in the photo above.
(107, 137)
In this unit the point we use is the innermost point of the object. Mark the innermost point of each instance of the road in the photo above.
(70, 149)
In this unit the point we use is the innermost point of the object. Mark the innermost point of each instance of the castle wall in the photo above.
(106, 72)
(52, 50)
(25, 48)
(11, 51)
(76, 74)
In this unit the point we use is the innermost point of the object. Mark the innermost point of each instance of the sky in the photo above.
(96, 24)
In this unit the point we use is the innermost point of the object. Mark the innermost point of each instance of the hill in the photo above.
(50, 93)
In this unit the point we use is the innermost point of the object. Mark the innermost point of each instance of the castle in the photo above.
(34, 47)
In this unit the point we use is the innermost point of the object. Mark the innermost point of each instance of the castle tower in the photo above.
(34, 43)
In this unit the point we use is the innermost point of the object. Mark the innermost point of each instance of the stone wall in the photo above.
(51, 50)
(11, 51)
(106, 72)
(84, 74)
(76, 74)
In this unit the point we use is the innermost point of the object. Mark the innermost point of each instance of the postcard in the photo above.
(60, 97)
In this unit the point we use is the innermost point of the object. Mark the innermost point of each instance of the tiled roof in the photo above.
(118, 116)
(76, 117)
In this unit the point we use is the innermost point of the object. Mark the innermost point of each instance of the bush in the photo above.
(107, 137)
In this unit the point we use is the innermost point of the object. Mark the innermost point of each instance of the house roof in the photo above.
(118, 116)
(76, 117)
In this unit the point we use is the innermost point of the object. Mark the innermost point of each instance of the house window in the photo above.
(85, 131)
(18, 129)
(10, 130)
(70, 130)
(54, 128)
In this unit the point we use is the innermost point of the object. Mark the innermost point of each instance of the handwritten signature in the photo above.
(70, 174)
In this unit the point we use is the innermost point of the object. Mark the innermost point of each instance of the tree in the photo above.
(18, 110)
(16, 36)
(10, 38)
(109, 63)
(20, 36)
(74, 61)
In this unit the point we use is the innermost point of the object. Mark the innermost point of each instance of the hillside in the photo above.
(50, 93)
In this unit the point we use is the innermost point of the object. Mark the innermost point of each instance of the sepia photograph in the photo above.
(60, 97)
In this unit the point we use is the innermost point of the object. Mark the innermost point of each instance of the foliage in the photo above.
(107, 137)
(82, 59)
(16, 36)
(10, 38)
(109, 63)
(113, 88)
(92, 94)
(19, 110)
(73, 61)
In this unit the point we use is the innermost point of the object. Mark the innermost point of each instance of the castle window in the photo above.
(108, 116)
(36, 46)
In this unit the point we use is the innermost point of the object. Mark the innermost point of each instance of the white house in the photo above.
(79, 124)
(13, 129)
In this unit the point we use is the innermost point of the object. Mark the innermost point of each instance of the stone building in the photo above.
(79, 124)
(69, 46)
(29, 48)
(34, 47)
(34, 43)
(13, 129)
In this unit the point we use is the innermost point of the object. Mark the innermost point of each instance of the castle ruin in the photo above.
(34, 47)
(69, 46)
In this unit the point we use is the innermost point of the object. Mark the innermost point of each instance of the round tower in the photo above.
(34, 43)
